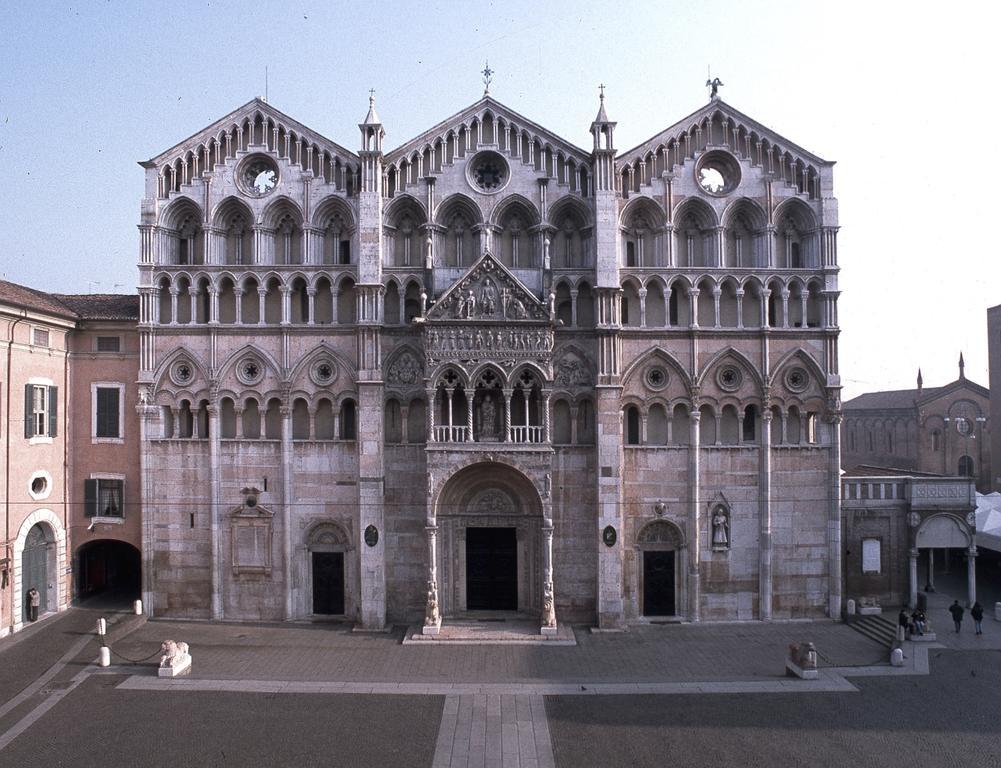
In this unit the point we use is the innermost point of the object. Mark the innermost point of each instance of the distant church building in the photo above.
(931, 430)
(490, 370)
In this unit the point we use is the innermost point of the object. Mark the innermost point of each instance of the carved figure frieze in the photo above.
(571, 371)
(504, 345)
(488, 292)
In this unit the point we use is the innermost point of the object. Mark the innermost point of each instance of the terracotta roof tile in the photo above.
(28, 298)
(102, 306)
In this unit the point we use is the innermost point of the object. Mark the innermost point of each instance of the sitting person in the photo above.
(918, 617)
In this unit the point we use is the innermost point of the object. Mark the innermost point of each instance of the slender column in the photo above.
(508, 395)
(238, 411)
(262, 294)
(214, 495)
(573, 307)
(193, 305)
(469, 413)
(642, 295)
(694, 538)
(930, 586)
(716, 294)
(785, 308)
(311, 299)
(693, 307)
(834, 547)
(548, 598)
(740, 310)
(287, 496)
(432, 609)
(238, 308)
(971, 575)
(546, 418)
(913, 571)
(173, 306)
(286, 292)
(765, 517)
(449, 392)
(719, 428)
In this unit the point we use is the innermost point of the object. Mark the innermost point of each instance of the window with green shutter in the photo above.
(107, 418)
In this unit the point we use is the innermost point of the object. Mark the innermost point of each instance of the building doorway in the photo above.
(328, 583)
(491, 569)
(35, 562)
(110, 568)
(658, 583)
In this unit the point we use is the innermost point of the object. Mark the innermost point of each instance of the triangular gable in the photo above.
(475, 112)
(736, 118)
(488, 291)
(950, 389)
(236, 117)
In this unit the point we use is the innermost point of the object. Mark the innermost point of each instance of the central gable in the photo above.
(489, 292)
(503, 118)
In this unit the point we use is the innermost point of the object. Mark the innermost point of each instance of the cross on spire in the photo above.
(601, 91)
(488, 76)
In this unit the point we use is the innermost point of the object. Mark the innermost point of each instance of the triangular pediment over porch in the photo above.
(488, 291)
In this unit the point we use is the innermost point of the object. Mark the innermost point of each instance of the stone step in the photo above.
(876, 628)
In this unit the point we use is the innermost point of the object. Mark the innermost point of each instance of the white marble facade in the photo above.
(490, 370)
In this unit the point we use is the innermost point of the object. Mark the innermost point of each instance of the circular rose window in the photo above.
(259, 175)
(249, 371)
(182, 372)
(322, 372)
(729, 378)
(656, 378)
(717, 173)
(488, 172)
(797, 380)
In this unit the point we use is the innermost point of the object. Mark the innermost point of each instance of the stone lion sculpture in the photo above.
(173, 653)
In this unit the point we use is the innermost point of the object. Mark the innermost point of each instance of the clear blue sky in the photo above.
(892, 91)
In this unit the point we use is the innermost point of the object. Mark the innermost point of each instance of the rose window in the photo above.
(729, 378)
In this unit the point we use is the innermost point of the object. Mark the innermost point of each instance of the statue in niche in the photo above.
(721, 529)
(488, 298)
(488, 418)
(432, 615)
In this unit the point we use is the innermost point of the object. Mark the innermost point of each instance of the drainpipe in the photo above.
(6, 496)
(61, 577)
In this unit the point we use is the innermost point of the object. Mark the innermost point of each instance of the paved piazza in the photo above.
(323, 695)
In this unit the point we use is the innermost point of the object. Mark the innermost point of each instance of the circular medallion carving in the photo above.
(729, 378)
(323, 372)
(609, 536)
(258, 175)
(249, 371)
(182, 372)
(717, 173)
(656, 377)
(371, 536)
(488, 172)
(797, 379)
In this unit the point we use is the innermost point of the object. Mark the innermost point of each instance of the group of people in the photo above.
(977, 612)
(917, 623)
(914, 624)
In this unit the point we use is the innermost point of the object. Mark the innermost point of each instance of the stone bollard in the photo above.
(997, 611)
(105, 656)
(137, 606)
(897, 657)
(850, 608)
(900, 634)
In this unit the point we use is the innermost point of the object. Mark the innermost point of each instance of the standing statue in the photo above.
(488, 418)
(721, 534)
(488, 298)
(715, 83)
(548, 609)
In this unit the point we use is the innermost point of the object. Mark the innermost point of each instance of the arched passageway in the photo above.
(109, 568)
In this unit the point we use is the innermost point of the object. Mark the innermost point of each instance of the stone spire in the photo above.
(921, 383)
(602, 127)
(962, 368)
(372, 118)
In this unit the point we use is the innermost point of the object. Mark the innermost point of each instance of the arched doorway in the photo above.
(329, 571)
(660, 571)
(38, 566)
(108, 567)
(489, 543)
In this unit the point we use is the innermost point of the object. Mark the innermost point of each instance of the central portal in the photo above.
(491, 569)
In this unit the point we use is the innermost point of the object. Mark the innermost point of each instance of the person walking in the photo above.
(903, 622)
(34, 600)
(977, 612)
(957, 613)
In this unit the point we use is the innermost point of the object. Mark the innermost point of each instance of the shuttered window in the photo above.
(40, 410)
(103, 498)
(107, 420)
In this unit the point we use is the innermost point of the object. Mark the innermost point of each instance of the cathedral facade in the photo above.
(489, 371)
